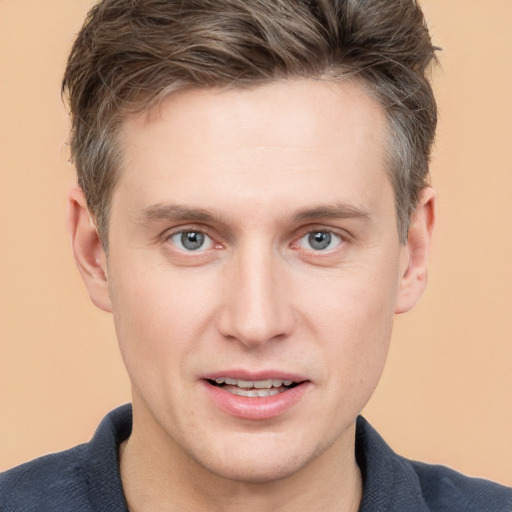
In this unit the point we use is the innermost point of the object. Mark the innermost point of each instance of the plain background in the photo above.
(446, 393)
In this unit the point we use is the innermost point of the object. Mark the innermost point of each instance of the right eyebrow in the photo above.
(175, 212)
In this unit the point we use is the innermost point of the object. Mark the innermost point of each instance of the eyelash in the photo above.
(331, 237)
(210, 240)
(168, 237)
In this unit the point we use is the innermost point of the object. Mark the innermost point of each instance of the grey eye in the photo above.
(320, 241)
(191, 241)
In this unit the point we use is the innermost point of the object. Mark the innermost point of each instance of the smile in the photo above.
(253, 388)
(255, 396)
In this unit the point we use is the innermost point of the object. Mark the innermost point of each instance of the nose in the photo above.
(256, 308)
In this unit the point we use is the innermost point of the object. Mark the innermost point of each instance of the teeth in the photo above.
(246, 384)
(263, 384)
(268, 392)
(249, 384)
(253, 392)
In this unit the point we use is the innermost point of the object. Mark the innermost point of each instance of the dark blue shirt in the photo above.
(86, 478)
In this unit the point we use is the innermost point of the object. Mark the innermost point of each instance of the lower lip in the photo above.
(255, 408)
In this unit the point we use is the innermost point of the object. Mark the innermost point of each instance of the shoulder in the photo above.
(83, 479)
(395, 484)
(52, 482)
(444, 488)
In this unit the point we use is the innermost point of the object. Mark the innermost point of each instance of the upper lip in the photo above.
(240, 374)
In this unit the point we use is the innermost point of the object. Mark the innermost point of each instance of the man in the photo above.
(253, 209)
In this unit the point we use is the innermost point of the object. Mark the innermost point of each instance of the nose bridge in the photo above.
(256, 308)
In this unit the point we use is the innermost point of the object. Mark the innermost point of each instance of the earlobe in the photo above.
(415, 255)
(88, 250)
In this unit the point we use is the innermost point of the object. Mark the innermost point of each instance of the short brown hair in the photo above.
(131, 53)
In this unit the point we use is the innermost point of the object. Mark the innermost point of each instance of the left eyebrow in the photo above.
(336, 211)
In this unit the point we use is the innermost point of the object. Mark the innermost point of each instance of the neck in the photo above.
(158, 475)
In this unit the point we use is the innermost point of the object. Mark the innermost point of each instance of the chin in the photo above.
(257, 461)
(252, 471)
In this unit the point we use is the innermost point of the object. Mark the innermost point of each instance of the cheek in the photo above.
(359, 299)
(159, 317)
(352, 316)
(355, 350)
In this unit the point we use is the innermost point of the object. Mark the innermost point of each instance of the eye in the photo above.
(191, 241)
(320, 241)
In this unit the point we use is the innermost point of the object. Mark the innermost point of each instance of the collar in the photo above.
(390, 483)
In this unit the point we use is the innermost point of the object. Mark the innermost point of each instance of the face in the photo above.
(253, 273)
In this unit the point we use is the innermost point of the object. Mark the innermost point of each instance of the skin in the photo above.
(257, 171)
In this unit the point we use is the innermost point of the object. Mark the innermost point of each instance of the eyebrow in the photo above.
(336, 211)
(175, 212)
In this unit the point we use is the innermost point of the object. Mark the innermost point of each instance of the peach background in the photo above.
(446, 393)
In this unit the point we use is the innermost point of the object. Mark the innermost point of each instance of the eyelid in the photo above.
(184, 228)
(320, 228)
(337, 238)
(176, 240)
(168, 232)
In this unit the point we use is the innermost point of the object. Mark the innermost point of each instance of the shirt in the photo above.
(86, 478)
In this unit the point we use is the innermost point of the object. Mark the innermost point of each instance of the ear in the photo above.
(88, 250)
(414, 264)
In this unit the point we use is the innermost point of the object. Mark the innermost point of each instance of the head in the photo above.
(130, 55)
(258, 170)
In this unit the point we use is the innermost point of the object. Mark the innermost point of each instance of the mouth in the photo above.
(255, 396)
(253, 388)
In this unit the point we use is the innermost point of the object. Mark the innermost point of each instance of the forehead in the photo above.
(321, 139)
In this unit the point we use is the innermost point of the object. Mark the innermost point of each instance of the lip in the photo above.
(241, 374)
(255, 408)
